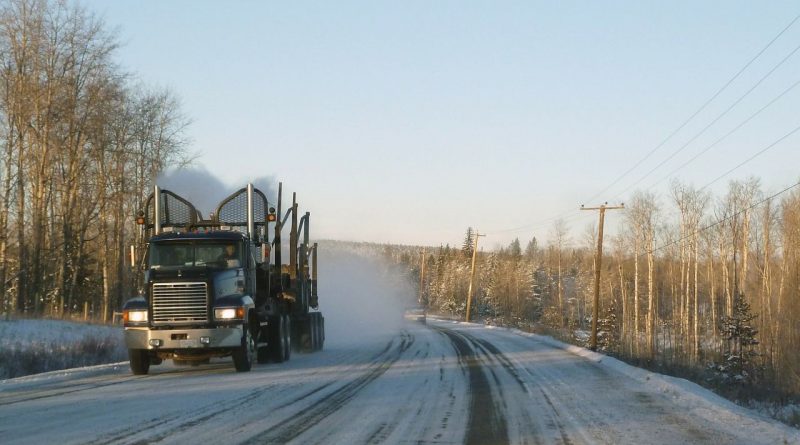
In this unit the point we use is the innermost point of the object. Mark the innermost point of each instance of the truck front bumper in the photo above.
(183, 339)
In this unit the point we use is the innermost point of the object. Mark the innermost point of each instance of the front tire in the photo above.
(140, 361)
(243, 355)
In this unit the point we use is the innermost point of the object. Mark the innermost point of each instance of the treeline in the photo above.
(706, 287)
(82, 141)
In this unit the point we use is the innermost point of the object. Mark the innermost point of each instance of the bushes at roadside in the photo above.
(35, 346)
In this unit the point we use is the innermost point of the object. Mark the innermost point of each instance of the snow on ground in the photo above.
(30, 346)
(444, 382)
(380, 379)
(685, 395)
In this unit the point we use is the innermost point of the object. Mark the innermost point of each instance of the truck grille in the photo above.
(179, 303)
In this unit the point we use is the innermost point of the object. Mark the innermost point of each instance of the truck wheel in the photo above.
(316, 323)
(313, 329)
(288, 339)
(321, 331)
(140, 361)
(263, 352)
(243, 355)
(302, 336)
(277, 339)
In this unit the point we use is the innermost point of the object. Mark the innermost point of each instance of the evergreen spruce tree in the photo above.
(739, 366)
(490, 306)
(608, 329)
(514, 249)
(532, 249)
(469, 241)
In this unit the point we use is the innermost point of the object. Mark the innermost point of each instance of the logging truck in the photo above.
(217, 287)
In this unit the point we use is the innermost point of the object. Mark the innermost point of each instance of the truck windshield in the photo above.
(221, 254)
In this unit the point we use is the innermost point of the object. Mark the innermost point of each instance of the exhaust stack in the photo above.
(157, 210)
(250, 216)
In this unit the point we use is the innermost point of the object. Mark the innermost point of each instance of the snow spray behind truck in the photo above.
(218, 288)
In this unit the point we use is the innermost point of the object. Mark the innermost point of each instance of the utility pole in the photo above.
(421, 278)
(472, 273)
(598, 259)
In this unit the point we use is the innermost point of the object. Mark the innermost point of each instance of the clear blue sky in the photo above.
(408, 121)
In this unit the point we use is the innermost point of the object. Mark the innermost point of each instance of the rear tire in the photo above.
(277, 339)
(313, 327)
(263, 352)
(287, 347)
(140, 361)
(243, 355)
(319, 331)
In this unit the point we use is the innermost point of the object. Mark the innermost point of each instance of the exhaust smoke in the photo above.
(205, 191)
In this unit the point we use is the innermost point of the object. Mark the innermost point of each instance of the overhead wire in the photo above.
(725, 136)
(757, 154)
(720, 221)
(566, 216)
(716, 119)
(699, 110)
(716, 94)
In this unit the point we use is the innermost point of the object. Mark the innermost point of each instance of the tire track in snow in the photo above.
(294, 426)
(486, 424)
(27, 396)
(70, 387)
(183, 421)
(155, 431)
(164, 427)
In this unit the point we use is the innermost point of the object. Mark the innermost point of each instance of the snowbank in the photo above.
(36, 346)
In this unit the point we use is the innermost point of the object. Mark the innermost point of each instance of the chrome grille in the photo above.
(179, 303)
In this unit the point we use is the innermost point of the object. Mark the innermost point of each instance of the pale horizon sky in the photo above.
(407, 122)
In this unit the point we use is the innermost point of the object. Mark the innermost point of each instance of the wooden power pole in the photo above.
(597, 261)
(472, 273)
(422, 279)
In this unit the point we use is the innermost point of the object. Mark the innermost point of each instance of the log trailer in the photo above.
(217, 287)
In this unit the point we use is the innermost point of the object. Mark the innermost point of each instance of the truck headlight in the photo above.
(134, 316)
(229, 313)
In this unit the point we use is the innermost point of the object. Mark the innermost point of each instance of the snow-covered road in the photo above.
(442, 382)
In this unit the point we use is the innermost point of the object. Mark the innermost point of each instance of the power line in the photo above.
(720, 221)
(699, 110)
(536, 224)
(568, 216)
(742, 124)
(566, 213)
(716, 119)
(759, 153)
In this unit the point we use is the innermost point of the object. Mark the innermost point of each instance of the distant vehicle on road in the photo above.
(416, 313)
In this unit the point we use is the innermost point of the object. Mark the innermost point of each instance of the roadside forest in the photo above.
(700, 286)
(82, 141)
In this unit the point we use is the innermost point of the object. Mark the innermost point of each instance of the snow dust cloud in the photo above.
(361, 296)
(205, 190)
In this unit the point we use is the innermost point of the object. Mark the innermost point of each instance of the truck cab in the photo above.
(198, 302)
